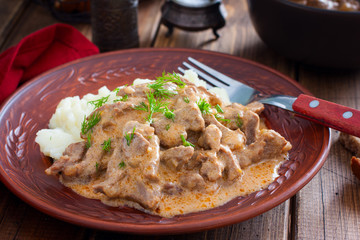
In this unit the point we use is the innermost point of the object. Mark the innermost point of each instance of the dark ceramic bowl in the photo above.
(309, 35)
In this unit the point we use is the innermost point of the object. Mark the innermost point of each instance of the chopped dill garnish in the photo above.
(116, 90)
(89, 123)
(221, 118)
(239, 121)
(88, 141)
(106, 146)
(168, 77)
(97, 166)
(155, 105)
(219, 109)
(160, 91)
(142, 106)
(204, 106)
(169, 113)
(122, 164)
(122, 99)
(167, 127)
(129, 137)
(99, 102)
(186, 99)
(186, 143)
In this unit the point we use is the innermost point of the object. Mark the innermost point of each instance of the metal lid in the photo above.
(196, 3)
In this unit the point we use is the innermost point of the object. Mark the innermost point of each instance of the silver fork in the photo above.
(330, 114)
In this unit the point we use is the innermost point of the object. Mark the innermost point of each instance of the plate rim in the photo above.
(170, 228)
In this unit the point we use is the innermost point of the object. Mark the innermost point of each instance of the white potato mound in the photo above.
(65, 123)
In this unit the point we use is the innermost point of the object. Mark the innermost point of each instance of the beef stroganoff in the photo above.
(166, 147)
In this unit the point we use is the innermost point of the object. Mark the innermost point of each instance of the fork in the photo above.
(327, 113)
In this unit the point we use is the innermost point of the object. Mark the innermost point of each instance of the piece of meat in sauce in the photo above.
(137, 179)
(175, 158)
(211, 138)
(242, 117)
(72, 154)
(235, 139)
(186, 118)
(269, 145)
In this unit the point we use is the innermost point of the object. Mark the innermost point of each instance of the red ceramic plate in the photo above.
(30, 108)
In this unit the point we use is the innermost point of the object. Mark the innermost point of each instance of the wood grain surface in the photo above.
(327, 208)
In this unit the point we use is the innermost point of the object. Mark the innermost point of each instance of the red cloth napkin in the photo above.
(41, 51)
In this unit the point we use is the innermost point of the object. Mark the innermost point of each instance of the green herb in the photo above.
(142, 106)
(160, 91)
(97, 166)
(122, 99)
(116, 90)
(167, 127)
(239, 121)
(218, 108)
(169, 114)
(204, 106)
(168, 77)
(221, 118)
(99, 102)
(186, 143)
(155, 105)
(88, 142)
(106, 146)
(89, 123)
(122, 164)
(186, 99)
(129, 137)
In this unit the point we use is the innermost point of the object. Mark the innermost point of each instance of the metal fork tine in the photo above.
(208, 86)
(206, 77)
(213, 72)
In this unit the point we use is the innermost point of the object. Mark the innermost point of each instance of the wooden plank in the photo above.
(238, 38)
(260, 227)
(19, 221)
(37, 17)
(10, 12)
(34, 18)
(329, 206)
(148, 19)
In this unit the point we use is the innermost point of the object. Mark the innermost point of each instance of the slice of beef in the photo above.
(72, 154)
(234, 139)
(134, 189)
(142, 150)
(192, 181)
(186, 119)
(211, 138)
(243, 118)
(190, 117)
(255, 107)
(212, 169)
(175, 158)
(87, 168)
(232, 167)
(199, 157)
(171, 188)
(269, 144)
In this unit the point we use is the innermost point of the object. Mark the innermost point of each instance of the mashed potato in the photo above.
(65, 124)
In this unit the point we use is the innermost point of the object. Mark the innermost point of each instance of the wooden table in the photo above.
(327, 208)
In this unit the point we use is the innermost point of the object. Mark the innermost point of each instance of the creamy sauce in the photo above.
(196, 160)
(255, 178)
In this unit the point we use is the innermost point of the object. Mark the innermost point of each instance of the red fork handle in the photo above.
(330, 114)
